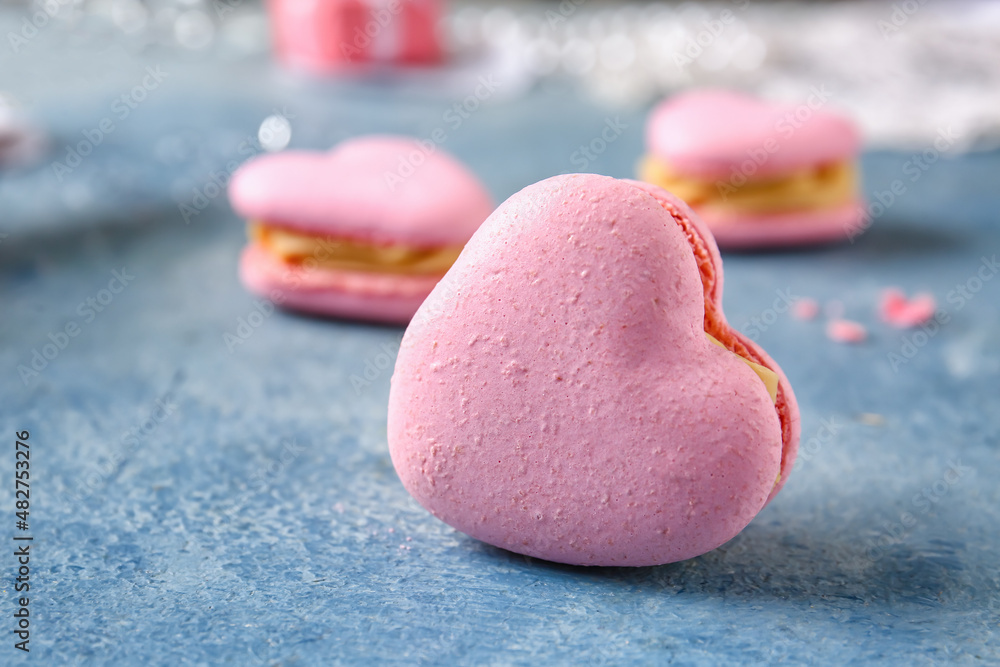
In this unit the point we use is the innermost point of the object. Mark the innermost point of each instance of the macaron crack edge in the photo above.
(716, 326)
(766, 375)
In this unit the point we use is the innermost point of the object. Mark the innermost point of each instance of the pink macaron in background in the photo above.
(328, 35)
(22, 142)
(571, 389)
(759, 174)
(363, 231)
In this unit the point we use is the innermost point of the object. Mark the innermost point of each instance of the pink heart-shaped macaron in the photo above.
(557, 395)
(384, 194)
(707, 133)
(758, 173)
(382, 188)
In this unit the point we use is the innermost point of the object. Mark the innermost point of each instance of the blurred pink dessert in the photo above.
(758, 174)
(363, 231)
(324, 35)
(22, 143)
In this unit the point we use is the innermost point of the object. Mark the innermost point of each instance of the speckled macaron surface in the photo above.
(556, 394)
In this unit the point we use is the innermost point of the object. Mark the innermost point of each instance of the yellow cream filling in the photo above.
(767, 376)
(337, 252)
(825, 186)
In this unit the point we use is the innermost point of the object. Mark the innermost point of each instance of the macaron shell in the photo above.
(381, 188)
(710, 133)
(374, 297)
(794, 228)
(556, 394)
(711, 267)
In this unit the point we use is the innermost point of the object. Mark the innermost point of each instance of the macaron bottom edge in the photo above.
(372, 297)
(788, 229)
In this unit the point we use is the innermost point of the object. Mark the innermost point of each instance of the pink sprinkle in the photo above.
(805, 309)
(896, 310)
(845, 331)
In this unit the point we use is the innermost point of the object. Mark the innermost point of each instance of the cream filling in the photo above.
(338, 252)
(824, 186)
(767, 376)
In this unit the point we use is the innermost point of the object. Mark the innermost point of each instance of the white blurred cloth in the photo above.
(906, 71)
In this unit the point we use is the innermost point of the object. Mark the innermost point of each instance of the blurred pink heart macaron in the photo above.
(571, 389)
(363, 231)
(759, 174)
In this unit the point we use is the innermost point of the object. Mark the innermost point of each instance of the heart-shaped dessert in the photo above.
(363, 231)
(759, 174)
(571, 389)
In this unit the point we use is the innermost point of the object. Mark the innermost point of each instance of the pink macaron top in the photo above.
(383, 189)
(708, 133)
(556, 394)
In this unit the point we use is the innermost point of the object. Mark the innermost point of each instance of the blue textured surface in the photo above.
(260, 521)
